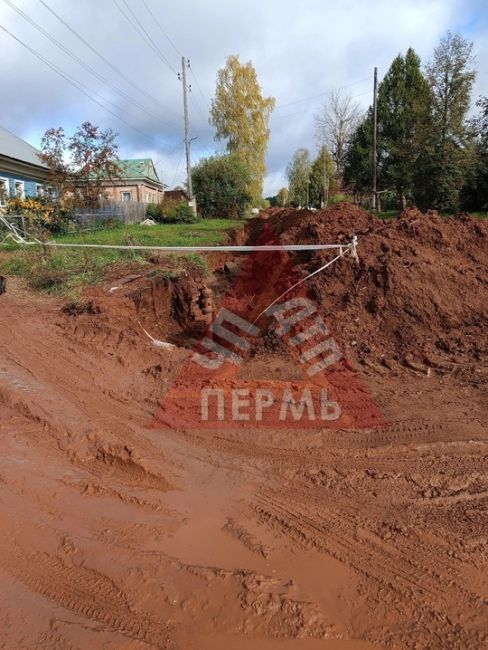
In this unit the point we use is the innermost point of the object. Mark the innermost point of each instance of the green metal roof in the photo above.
(139, 168)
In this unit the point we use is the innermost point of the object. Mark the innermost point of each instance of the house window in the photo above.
(40, 191)
(4, 192)
(19, 189)
(126, 196)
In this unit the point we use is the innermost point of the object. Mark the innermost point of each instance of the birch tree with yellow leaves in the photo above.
(240, 115)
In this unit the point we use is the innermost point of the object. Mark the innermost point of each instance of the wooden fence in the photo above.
(127, 211)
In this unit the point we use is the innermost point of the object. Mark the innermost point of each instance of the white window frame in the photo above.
(40, 190)
(22, 193)
(3, 201)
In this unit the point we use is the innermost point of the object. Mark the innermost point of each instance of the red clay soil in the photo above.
(420, 282)
(117, 535)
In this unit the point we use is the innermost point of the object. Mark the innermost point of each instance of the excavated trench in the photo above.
(120, 533)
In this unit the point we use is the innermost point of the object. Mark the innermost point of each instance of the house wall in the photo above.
(30, 186)
(140, 192)
(12, 170)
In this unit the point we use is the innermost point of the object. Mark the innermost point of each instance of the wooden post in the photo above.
(375, 132)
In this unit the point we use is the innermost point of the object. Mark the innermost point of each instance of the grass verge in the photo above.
(67, 272)
(204, 232)
(393, 214)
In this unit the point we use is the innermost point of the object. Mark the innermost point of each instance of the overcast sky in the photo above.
(301, 50)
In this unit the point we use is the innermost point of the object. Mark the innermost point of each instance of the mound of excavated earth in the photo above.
(418, 291)
(118, 533)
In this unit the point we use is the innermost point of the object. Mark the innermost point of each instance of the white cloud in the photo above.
(299, 51)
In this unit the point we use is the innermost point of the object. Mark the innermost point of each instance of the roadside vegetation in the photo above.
(204, 232)
(67, 272)
(430, 154)
(432, 140)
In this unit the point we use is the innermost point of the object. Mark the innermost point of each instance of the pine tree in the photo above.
(358, 160)
(404, 105)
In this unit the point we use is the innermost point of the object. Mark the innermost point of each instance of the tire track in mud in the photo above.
(404, 432)
(406, 570)
(88, 593)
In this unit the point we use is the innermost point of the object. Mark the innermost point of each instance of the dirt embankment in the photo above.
(418, 292)
(116, 535)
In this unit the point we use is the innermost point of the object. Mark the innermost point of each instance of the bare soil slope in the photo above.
(116, 535)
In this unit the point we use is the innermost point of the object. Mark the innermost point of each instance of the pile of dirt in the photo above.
(418, 293)
(168, 304)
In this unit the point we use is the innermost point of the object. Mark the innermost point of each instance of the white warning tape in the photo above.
(19, 239)
(204, 249)
(344, 249)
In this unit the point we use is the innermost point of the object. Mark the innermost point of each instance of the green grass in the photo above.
(388, 214)
(479, 215)
(67, 272)
(204, 232)
(393, 214)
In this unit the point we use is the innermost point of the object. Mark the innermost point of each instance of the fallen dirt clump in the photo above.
(418, 292)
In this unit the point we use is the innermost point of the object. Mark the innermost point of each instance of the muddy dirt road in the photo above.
(122, 536)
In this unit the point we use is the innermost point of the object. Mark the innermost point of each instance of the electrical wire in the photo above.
(143, 33)
(84, 65)
(77, 84)
(163, 32)
(178, 168)
(171, 42)
(312, 106)
(207, 103)
(102, 57)
(304, 99)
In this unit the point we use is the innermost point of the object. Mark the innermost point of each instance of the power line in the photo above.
(143, 33)
(77, 84)
(197, 106)
(178, 168)
(101, 56)
(82, 63)
(161, 28)
(171, 42)
(199, 88)
(304, 99)
(279, 117)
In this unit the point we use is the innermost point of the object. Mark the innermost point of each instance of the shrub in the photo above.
(153, 211)
(167, 211)
(40, 215)
(338, 198)
(183, 213)
(221, 185)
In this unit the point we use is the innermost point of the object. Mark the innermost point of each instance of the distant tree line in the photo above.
(429, 152)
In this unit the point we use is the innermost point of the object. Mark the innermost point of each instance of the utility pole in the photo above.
(184, 65)
(375, 132)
